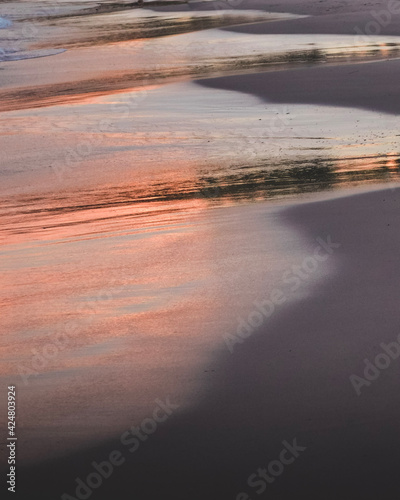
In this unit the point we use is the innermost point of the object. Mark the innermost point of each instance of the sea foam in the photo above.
(18, 55)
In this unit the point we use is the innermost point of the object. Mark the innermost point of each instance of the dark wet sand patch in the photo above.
(373, 86)
(360, 24)
(250, 82)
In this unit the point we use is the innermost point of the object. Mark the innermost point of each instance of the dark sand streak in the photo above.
(373, 86)
(354, 23)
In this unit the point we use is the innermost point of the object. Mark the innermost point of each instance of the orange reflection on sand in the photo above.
(82, 287)
(94, 97)
(116, 261)
(393, 161)
(384, 49)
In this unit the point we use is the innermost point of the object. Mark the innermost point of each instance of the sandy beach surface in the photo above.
(199, 230)
(288, 379)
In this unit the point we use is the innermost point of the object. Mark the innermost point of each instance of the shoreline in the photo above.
(223, 250)
(27, 84)
(371, 85)
(95, 85)
(293, 374)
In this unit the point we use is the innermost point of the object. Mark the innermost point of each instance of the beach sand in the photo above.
(367, 86)
(155, 191)
(289, 379)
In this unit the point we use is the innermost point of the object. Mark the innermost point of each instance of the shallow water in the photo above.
(76, 73)
(135, 245)
(184, 141)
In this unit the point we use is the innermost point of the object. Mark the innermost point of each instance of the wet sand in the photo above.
(129, 60)
(360, 19)
(143, 244)
(367, 86)
(77, 77)
(289, 379)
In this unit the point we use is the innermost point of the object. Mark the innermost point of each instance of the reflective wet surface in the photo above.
(137, 212)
